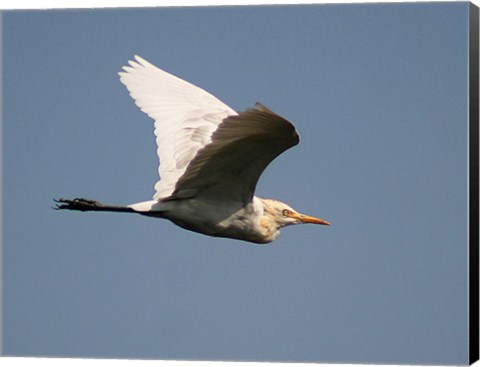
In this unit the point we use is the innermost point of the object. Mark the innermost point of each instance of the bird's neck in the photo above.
(268, 225)
(270, 229)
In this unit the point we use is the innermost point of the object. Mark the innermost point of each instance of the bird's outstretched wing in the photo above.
(185, 117)
(229, 167)
(205, 148)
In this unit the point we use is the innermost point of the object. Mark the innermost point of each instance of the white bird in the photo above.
(211, 158)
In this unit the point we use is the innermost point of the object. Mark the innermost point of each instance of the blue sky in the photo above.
(378, 95)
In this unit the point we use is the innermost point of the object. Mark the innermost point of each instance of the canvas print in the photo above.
(156, 161)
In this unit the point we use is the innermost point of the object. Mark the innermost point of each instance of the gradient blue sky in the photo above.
(378, 94)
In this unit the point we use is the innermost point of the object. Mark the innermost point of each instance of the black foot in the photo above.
(77, 204)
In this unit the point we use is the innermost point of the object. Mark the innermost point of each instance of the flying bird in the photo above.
(211, 158)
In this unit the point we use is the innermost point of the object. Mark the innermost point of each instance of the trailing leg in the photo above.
(85, 205)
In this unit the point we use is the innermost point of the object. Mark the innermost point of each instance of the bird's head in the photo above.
(279, 214)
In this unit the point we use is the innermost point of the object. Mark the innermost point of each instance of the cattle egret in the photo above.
(210, 160)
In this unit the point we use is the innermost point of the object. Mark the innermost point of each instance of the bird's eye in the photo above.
(286, 212)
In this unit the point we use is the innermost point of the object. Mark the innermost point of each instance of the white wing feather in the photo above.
(185, 117)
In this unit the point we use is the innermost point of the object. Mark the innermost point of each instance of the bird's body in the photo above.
(210, 160)
(208, 217)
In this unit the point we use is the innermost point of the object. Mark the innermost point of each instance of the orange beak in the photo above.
(308, 219)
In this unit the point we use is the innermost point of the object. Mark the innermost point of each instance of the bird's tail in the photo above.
(85, 205)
